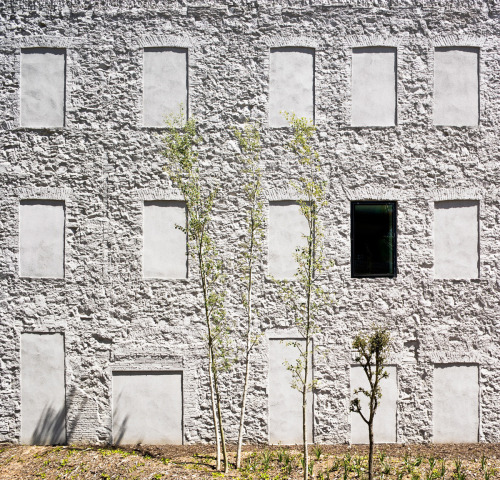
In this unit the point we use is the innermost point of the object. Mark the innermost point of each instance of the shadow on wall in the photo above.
(50, 428)
(119, 425)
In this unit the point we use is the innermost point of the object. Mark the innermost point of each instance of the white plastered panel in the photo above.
(41, 238)
(374, 86)
(147, 408)
(456, 239)
(165, 84)
(291, 84)
(285, 402)
(456, 86)
(43, 410)
(165, 252)
(384, 425)
(287, 227)
(43, 78)
(456, 404)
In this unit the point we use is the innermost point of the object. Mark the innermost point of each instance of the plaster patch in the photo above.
(147, 408)
(43, 410)
(43, 79)
(165, 84)
(384, 427)
(41, 238)
(456, 239)
(291, 84)
(374, 86)
(165, 250)
(456, 403)
(456, 86)
(287, 227)
(285, 402)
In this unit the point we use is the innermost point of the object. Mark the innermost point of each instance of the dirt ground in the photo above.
(138, 462)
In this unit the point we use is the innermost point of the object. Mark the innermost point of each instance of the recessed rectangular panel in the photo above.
(43, 406)
(456, 239)
(374, 86)
(165, 84)
(147, 408)
(287, 227)
(456, 86)
(165, 250)
(373, 232)
(285, 402)
(41, 238)
(291, 84)
(43, 78)
(384, 424)
(456, 403)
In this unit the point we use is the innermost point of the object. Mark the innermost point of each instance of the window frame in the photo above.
(394, 237)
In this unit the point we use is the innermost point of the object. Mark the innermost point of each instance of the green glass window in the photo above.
(373, 239)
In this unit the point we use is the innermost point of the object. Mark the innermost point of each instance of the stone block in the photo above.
(456, 86)
(374, 86)
(165, 249)
(285, 402)
(43, 404)
(384, 425)
(41, 238)
(287, 227)
(456, 239)
(165, 84)
(43, 80)
(291, 84)
(147, 408)
(456, 403)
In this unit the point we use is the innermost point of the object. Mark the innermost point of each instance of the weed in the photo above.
(165, 461)
(267, 456)
(484, 462)
(418, 461)
(443, 469)
(386, 468)
(432, 462)
(381, 457)
(105, 476)
(336, 465)
(415, 475)
(317, 452)
(490, 473)
(156, 476)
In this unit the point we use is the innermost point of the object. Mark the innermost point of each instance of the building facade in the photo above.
(101, 327)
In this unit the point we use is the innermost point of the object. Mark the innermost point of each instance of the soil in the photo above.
(392, 462)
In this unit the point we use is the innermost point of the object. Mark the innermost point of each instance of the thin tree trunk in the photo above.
(221, 427)
(247, 359)
(304, 429)
(370, 455)
(212, 394)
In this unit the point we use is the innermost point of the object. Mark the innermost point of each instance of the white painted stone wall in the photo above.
(104, 164)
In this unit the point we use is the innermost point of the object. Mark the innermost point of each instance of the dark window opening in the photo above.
(373, 239)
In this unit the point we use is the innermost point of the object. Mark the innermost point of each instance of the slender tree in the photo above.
(182, 165)
(371, 354)
(249, 141)
(305, 297)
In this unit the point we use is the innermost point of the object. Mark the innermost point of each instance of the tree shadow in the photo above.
(50, 428)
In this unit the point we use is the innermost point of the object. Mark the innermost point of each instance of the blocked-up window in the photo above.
(43, 87)
(373, 239)
(285, 402)
(456, 403)
(456, 86)
(456, 239)
(384, 425)
(41, 238)
(287, 228)
(147, 408)
(43, 404)
(164, 245)
(373, 86)
(291, 84)
(165, 84)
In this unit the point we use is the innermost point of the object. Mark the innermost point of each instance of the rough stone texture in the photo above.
(456, 249)
(104, 164)
(41, 239)
(43, 411)
(456, 408)
(456, 92)
(384, 425)
(374, 86)
(147, 408)
(164, 246)
(285, 402)
(43, 79)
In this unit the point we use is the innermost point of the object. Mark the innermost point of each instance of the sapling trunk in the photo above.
(214, 416)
